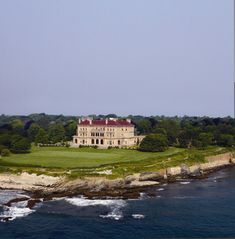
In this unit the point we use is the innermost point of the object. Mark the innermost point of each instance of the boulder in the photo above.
(173, 171)
(185, 170)
(233, 160)
(151, 176)
(143, 183)
(132, 177)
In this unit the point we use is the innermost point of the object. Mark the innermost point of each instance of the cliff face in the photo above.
(129, 187)
(212, 163)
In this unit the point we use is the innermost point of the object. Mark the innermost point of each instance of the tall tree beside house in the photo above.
(143, 126)
(70, 129)
(56, 133)
(172, 129)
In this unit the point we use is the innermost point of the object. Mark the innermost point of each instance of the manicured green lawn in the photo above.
(87, 161)
(60, 157)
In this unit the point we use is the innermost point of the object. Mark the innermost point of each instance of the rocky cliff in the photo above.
(129, 187)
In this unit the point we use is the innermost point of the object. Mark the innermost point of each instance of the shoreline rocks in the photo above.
(47, 187)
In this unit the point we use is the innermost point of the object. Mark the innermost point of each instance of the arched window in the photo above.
(76, 141)
(92, 141)
(101, 141)
(97, 141)
(119, 142)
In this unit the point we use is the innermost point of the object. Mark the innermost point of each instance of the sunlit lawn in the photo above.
(87, 160)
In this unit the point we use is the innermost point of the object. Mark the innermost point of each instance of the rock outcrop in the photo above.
(48, 187)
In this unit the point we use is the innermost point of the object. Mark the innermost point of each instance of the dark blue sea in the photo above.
(189, 209)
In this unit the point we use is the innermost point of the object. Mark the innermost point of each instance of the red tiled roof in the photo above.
(109, 122)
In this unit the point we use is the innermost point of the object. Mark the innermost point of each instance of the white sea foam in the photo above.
(84, 202)
(7, 195)
(160, 189)
(185, 197)
(142, 196)
(115, 205)
(184, 183)
(116, 214)
(138, 216)
(17, 210)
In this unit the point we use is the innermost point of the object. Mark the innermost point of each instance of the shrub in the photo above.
(2, 147)
(226, 140)
(154, 143)
(20, 145)
(5, 152)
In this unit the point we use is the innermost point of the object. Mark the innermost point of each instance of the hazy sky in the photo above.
(149, 57)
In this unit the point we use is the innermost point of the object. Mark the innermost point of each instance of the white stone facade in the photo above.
(106, 133)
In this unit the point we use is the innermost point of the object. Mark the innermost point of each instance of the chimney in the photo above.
(106, 121)
(128, 120)
(90, 121)
(113, 119)
(79, 121)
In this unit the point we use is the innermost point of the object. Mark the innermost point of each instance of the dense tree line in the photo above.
(189, 132)
(18, 132)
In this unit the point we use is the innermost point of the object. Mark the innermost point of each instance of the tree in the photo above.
(188, 135)
(144, 126)
(2, 147)
(226, 140)
(70, 129)
(205, 139)
(160, 131)
(41, 137)
(5, 139)
(154, 143)
(20, 144)
(33, 131)
(17, 127)
(56, 133)
(5, 153)
(172, 129)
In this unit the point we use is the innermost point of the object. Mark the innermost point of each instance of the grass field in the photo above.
(87, 161)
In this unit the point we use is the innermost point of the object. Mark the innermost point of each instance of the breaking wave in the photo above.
(7, 195)
(17, 210)
(184, 183)
(115, 205)
(138, 216)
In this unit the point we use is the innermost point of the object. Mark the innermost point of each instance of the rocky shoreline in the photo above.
(43, 188)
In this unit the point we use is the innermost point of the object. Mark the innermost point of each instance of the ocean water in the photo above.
(186, 209)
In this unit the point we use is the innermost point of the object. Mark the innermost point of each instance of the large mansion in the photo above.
(105, 133)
